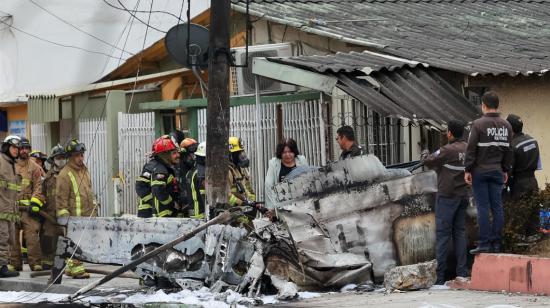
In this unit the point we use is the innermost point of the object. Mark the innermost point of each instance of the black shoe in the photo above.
(496, 248)
(5, 272)
(479, 250)
(440, 282)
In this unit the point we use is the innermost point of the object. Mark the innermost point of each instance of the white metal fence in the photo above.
(136, 133)
(377, 135)
(92, 132)
(39, 131)
(302, 121)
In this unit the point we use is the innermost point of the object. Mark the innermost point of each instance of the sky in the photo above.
(34, 61)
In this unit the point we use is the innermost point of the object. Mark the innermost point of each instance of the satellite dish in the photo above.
(176, 45)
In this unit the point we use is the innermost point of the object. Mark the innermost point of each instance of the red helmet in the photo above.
(163, 144)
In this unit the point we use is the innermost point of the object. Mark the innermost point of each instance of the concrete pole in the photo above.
(217, 129)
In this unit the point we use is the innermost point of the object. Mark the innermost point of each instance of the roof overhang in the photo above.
(294, 75)
(416, 94)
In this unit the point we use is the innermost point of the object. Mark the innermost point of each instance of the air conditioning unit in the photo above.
(243, 79)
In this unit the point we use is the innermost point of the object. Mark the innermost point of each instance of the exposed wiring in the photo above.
(56, 43)
(139, 62)
(77, 28)
(152, 11)
(134, 15)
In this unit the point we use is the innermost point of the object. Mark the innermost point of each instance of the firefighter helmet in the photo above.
(163, 144)
(57, 150)
(189, 145)
(25, 143)
(235, 144)
(75, 146)
(39, 155)
(201, 149)
(10, 140)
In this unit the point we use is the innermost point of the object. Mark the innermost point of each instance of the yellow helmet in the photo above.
(235, 144)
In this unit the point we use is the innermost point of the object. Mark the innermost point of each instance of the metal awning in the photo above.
(414, 93)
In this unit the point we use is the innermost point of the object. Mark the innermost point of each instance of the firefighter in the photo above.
(50, 231)
(30, 201)
(187, 162)
(157, 186)
(40, 159)
(74, 197)
(8, 197)
(195, 180)
(526, 161)
(239, 180)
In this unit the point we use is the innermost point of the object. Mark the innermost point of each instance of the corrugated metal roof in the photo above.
(468, 36)
(365, 61)
(413, 93)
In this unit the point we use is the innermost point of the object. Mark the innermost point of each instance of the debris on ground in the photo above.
(411, 277)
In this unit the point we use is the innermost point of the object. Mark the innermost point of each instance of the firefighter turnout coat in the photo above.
(74, 195)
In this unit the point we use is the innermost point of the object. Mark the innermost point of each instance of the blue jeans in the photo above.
(487, 188)
(450, 221)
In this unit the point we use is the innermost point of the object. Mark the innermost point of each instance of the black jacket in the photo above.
(158, 180)
(489, 144)
(448, 162)
(355, 150)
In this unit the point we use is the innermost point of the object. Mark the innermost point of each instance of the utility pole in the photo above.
(217, 127)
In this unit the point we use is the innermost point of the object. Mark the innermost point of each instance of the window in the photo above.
(18, 127)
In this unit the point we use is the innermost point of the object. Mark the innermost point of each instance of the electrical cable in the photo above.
(55, 43)
(77, 28)
(26, 296)
(153, 11)
(134, 15)
(139, 63)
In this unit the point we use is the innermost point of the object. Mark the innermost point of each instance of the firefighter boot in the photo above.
(6, 272)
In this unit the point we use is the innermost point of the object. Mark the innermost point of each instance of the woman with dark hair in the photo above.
(287, 158)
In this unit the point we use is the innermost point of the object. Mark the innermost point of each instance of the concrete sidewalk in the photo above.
(68, 286)
(424, 299)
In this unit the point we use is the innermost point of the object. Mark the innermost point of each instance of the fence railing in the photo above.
(92, 132)
(136, 133)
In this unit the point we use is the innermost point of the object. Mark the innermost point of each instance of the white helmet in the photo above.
(12, 139)
(201, 149)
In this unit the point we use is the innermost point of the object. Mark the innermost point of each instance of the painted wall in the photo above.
(528, 97)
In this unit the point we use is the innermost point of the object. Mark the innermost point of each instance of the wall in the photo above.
(18, 112)
(528, 97)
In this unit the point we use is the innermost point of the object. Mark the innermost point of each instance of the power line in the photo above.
(152, 11)
(139, 62)
(55, 43)
(77, 28)
(133, 15)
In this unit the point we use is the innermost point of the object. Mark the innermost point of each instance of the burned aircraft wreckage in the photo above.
(348, 222)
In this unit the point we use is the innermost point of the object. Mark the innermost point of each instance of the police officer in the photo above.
(452, 200)
(195, 180)
(50, 231)
(8, 197)
(239, 180)
(74, 196)
(488, 159)
(30, 201)
(159, 197)
(526, 161)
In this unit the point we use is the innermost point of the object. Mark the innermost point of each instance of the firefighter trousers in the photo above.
(31, 232)
(7, 233)
(48, 241)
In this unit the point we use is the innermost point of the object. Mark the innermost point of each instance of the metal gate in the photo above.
(136, 133)
(243, 125)
(39, 131)
(92, 133)
(302, 121)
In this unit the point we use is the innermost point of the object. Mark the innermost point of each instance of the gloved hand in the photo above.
(34, 208)
(249, 203)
